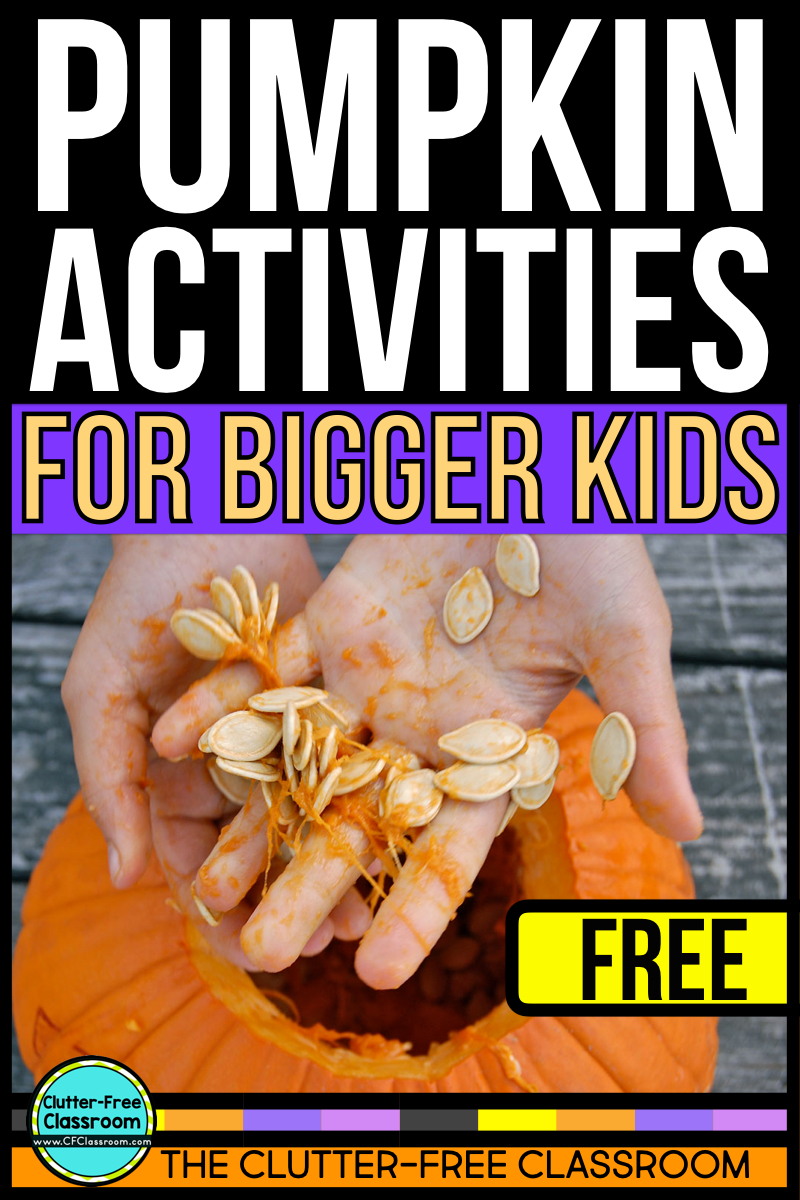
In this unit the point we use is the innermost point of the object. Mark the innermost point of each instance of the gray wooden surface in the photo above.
(727, 596)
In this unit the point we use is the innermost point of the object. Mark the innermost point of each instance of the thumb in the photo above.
(296, 659)
(639, 684)
(109, 733)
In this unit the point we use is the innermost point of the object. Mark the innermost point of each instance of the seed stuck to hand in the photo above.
(511, 808)
(612, 755)
(291, 728)
(245, 587)
(304, 746)
(357, 771)
(468, 606)
(243, 736)
(471, 781)
(538, 761)
(517, 562)
(490, 741)
(227, 603)
(249, 770)
(327, 753)
(324, 793)
(235, 788)
(533, 796)
(269, 606)
(202, 632)
(412, 800)
(276, 699)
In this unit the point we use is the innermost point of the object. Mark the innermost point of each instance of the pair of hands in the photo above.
(373, 629)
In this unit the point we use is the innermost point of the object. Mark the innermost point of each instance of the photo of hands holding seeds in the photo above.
(430, 649)
(307, 804)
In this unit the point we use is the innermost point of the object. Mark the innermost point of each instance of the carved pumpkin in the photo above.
(124, 974)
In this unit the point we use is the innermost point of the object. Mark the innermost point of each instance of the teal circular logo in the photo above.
(91, 1120)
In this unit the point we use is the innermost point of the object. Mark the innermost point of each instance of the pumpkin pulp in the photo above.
(454, 1005)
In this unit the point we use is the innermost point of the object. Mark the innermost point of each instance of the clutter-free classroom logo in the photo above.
(91, 1120)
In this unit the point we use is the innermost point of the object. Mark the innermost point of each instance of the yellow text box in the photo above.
(552, 962)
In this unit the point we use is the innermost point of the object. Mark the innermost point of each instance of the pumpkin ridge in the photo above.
(230, 1031)
(649, 1021)
(617, 1086)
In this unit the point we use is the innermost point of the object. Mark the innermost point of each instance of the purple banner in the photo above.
(413, 468)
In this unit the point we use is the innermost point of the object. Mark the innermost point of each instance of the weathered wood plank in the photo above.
(752, 1055)
(727, 594)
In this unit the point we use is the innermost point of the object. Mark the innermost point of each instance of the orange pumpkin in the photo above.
(126, 975)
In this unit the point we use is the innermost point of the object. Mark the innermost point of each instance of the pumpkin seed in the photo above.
(538, 760)
(243, 736)
(534, 796)
(517, 562)
(208, 914)
(269, 791)
(468, 606)
(269, 606)
(507, 815)
(245, 587)
(341, 715)
(473, 781)
(327, 753)
(324, 793)
(227, 603)
(202, 743)
(291, 728)
(276, 699)
(233, 787)
(292, 778)
(357, 771)
(412, 799)
(612, 755)
(489, 741)
(309, 773)
(304, 744)
(249, 770)
(288, 811)
(201, 634)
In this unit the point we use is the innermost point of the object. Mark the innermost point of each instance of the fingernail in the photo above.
(114, 862)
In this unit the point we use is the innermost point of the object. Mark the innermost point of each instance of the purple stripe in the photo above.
(360, 1119)
(749, 1118)
(282, 1119)
(653, 1120)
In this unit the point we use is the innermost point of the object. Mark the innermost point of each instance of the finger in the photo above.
(238, 857)
(296, 659)
(434, 881)
(639, 684)
(303, 896)
(109, 734)
(176, 732)
(183, 843)
(352, 917)
(321, 938)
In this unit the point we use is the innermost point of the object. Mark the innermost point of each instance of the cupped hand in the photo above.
(128, 668)
(374, 629)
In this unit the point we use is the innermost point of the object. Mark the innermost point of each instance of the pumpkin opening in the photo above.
(460, 982)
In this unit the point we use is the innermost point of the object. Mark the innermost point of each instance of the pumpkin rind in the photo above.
(102, 971)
